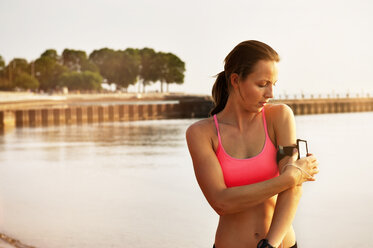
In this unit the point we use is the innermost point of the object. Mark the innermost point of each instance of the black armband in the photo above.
(284, 151)
(264, 244)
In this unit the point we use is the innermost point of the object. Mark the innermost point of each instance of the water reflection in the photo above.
(137, 140)
(91, 185)
(148, 133)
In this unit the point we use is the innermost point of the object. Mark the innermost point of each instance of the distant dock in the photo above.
(85, 109)
(329, 105)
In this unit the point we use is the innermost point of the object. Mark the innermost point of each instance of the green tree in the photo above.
(11, 71)
(149, 67)
(15, 67)
(86, 80)
(5, 84)
(2, 65)
(107, 61)
(76, 60)
(48, 69)
(129, 68)
(26, 81)
(172, 69)
(119, 67)
(51, 53)
(19, 65)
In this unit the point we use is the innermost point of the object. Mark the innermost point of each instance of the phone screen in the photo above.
(302, 148)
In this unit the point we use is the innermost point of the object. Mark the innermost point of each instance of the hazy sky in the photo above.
(325, 46)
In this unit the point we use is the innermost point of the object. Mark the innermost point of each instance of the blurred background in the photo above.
(324, 45)
(95, 98)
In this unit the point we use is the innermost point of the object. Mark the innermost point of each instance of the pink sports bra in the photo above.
(238, 172)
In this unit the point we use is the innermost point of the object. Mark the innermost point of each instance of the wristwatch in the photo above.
(264, 244)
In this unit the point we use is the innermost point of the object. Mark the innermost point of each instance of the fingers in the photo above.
(295, 151)
(294, 156)
(314, 171)
(312, 159)
(312, 167)
(309, 164)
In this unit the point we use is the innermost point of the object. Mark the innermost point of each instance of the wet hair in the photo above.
(240, 60)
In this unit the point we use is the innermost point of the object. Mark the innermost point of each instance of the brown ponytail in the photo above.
(220, 93)
(240, 60)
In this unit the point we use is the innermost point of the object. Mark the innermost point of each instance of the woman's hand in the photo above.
(302, 169)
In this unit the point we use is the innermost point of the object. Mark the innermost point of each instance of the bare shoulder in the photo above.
(200, 129)
(283, 121)
(278, 112)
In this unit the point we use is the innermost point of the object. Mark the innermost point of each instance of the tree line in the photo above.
(77, 71)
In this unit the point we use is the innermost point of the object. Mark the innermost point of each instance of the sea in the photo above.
(132, 184)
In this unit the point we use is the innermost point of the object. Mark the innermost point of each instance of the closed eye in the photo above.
(267, 83)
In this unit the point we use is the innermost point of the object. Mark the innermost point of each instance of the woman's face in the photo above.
(256, 89)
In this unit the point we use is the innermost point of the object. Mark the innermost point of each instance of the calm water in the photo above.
(133, 185)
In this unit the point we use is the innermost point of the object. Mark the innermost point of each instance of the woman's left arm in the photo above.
(287, 201)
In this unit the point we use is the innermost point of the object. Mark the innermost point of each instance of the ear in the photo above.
(234, 80)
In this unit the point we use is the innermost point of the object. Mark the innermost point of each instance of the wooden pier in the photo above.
(197, 107)
(329, 106)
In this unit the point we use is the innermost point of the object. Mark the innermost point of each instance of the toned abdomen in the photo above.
(245, 229)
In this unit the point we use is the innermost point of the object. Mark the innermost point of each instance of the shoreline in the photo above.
(11, 242)
(43, 110)
(22, 100)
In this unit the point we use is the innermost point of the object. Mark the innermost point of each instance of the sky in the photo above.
(325, 46)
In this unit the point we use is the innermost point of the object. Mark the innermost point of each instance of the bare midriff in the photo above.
(245, 229)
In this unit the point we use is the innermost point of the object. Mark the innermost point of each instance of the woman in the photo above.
(234, 154)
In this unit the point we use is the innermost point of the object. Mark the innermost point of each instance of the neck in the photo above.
(234, 114)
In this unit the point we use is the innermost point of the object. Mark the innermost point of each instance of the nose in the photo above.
(269, 92)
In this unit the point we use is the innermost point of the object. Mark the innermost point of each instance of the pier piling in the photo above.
(190, 108)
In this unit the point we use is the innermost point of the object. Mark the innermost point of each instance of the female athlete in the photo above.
(234, 154)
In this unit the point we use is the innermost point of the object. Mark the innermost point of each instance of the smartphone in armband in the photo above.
(302, 148)
(288, 150)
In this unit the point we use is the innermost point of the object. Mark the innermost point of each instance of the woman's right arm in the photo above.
(211, 181)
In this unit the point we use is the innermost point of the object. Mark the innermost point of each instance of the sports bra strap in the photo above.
(264, 122)
(217, 127)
